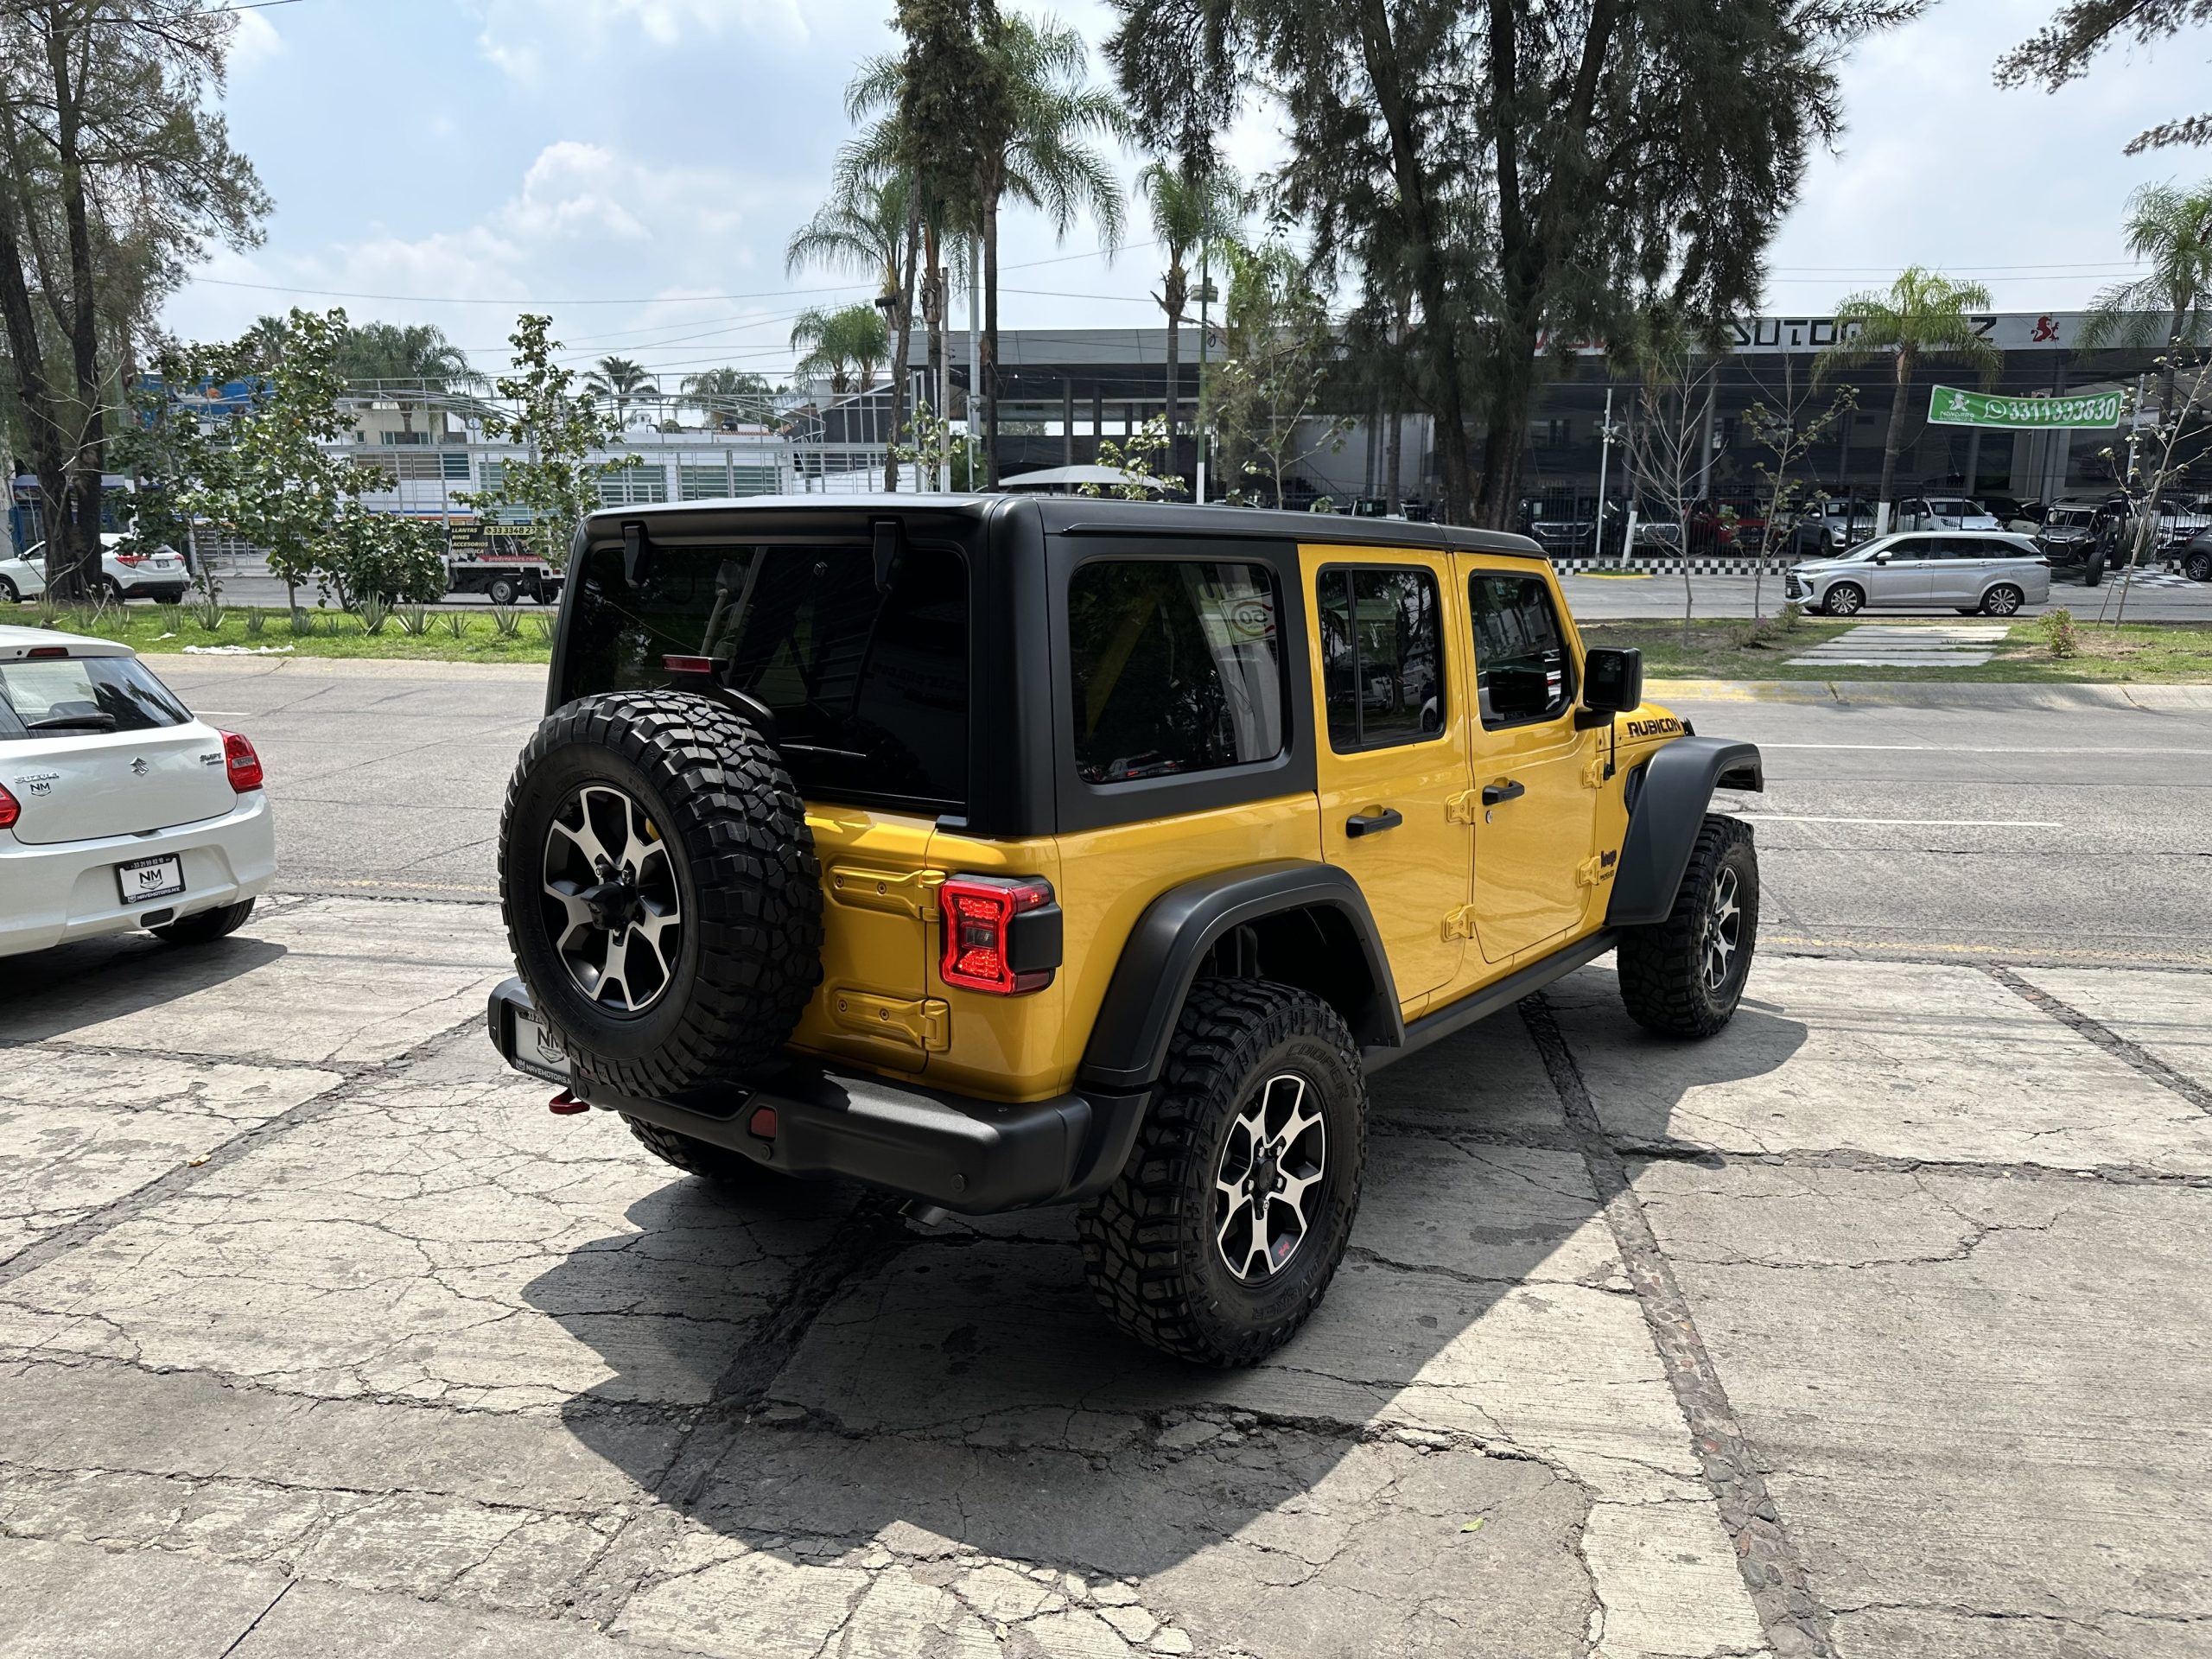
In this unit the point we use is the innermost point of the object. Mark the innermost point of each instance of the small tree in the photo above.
(936, 444)
(2167, 442)
(1786, 431)
(383, 556)
(1265, 395)
(1135, 460)
(556, 482)
(272, 475)
(1665, 443)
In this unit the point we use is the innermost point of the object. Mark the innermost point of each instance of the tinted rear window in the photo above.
(869, 686)
(62, 697)
(1176, 667)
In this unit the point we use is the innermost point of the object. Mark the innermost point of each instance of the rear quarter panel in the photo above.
(1028, 1047)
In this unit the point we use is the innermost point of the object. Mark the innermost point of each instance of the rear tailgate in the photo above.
(76, 785)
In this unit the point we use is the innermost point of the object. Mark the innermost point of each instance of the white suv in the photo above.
(118, 810)
(160, 575)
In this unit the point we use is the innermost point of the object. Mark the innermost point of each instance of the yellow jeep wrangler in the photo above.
(999, 852)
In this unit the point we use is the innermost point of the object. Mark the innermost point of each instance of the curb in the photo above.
(179, 664)
(1942, 693)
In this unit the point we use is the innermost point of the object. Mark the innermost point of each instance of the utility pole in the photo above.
(1205, 291)
(975, 346)
(943, 383)
(1604, 455)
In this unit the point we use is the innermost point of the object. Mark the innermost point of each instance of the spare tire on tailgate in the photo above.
(660, 889)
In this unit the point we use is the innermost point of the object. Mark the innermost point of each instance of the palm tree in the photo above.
(2170, 304)
(264, 344)
(1925, 313)
(620, 380)
(390, 351)
(725, 394)
(871, 224)
(1188, 210)
(861, 228)
(1038, 154)
(846, 344)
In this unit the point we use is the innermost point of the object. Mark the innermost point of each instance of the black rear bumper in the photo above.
(975, 1156)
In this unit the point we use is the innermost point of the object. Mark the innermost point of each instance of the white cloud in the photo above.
(576, 189)
(253, 42)
(534, 41)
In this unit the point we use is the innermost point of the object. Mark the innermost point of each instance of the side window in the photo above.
(1523, 670)
(1176, 667)
(1911, 547)
(1381, 656)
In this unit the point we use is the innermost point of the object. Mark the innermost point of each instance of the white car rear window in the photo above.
(58, 695)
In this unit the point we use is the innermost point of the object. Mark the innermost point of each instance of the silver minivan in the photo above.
(1994, 572)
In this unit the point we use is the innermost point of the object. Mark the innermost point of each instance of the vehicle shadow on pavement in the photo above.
(917, 1397)
(58, 992)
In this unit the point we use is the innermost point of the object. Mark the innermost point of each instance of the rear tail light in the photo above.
(11, 810)
(1002, 933)
(242, 765)
(131, 559)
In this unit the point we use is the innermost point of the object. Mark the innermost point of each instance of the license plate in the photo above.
(150, 878)
(536, 1049)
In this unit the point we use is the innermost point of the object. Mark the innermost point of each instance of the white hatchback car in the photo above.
(118, 810)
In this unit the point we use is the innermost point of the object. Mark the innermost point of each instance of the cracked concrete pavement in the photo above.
(1873, 1327)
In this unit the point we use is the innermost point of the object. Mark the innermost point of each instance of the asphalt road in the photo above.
(2037, 830)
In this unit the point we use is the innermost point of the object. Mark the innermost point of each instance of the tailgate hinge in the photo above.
(1460, 923)
(926, 1024)
(902, 893)
(1464, 807)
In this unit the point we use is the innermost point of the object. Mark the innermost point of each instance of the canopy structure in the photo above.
(1073, 478)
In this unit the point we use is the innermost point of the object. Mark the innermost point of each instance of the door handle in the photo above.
(1374, 823)
(1507, 791)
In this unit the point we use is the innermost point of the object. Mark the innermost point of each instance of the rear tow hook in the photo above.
(565, 1104)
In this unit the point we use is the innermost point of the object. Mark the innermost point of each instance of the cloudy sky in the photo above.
(635, 167)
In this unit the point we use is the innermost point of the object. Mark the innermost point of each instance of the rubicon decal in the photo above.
(1667, 725)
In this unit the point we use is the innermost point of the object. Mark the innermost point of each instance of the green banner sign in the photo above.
(1948, 406)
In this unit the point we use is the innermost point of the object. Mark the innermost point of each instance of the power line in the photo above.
(634, 299)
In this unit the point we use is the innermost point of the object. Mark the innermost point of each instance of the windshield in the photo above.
(869, 684)
(57, 696)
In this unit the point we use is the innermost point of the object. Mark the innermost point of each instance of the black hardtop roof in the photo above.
(1072, 516)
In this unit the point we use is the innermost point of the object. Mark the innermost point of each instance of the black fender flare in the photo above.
(1128, 1048)
(1665, 814)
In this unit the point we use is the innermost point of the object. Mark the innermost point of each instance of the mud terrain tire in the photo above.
(718, 857)
(1152, 1242)
(1683, 978)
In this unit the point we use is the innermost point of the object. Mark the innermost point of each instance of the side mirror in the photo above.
(1881, 558)
(1612, 680)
